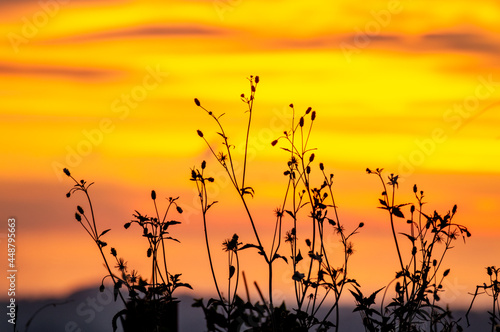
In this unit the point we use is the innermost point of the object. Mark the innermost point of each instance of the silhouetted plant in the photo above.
(492, 289)
(419, 281)
(320, 279)
(151, 306)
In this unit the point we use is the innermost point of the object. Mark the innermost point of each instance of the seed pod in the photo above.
(313, 116)
(203, 164)
(153, 194)
(301, 122)
(321, 166)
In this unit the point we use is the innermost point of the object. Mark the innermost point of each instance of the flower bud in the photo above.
(313, 116)
(321, 166)
(257, 79)
(291, 105)
(361, 224)
(311, 158)
(301, 122)
(78, 217)
(203, 164)
(197, 102)
(66, 171)
(199, 133)
(179, 209)
(308, 110)
(273, 143)
(79, 208)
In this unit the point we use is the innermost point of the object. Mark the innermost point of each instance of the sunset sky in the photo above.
(106, 89)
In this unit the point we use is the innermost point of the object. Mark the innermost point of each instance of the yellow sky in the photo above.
(106, 89)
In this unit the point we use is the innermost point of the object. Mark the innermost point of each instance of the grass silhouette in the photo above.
(151, 305)
(410, 302)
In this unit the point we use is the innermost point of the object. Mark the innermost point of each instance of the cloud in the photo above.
(68, 72)
(145, 32)
(461, 42)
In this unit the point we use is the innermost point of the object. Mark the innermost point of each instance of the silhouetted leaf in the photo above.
(104, 232)
(411, 238)
(276, 256)
(397, 212)
(298, 258)
(232, 269)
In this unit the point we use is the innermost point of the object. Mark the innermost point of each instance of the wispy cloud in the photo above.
(145, 31)
(460, 42)
(60, 71)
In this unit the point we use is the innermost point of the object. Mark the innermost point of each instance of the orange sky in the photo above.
(106, 89)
